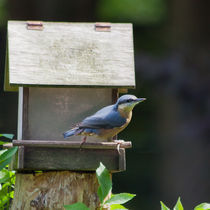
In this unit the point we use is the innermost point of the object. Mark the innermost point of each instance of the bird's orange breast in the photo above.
(109, 133)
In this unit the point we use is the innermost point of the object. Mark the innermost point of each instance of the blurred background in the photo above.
(171, 130)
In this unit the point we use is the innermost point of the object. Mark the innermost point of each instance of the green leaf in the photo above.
(9, 136)
(8, 153)
(4, 175)
(178, 205)
(100, 194)
(12, 177)
(116, 207)
(4, 195)
(76, 206)
(3, 142)
(104, 181)
(163, 206)
(2, 151)
(203, 206)
(120, 198)
(5, 162)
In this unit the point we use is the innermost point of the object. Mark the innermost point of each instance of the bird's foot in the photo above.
(118, 144)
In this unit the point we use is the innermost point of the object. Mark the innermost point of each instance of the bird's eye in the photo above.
(129, 100)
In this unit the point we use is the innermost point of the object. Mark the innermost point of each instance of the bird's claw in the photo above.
(118, 148)
(118, 144)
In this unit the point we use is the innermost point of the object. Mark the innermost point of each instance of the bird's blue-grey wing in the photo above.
(106, 118)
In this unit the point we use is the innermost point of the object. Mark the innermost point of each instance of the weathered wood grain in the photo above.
(52, 190)
(7, 86)
(72, 144)
(43, 158)
(71, 54)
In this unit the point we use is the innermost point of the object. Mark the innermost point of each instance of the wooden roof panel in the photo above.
(70, 54)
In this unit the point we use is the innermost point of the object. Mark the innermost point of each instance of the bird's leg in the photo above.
(83, 141)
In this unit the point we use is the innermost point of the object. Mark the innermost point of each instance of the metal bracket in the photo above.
(103, 27)
(35, 25)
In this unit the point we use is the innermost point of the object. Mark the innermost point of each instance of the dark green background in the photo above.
(171, 130)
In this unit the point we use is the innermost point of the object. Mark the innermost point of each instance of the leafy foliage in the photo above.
(163, 206)
(105, 183)
(9, 136)
(7, 178)
(105, 187)
(138, 11)
(117, 207)
(203, 206)
(6, 156)
(120, 198)
(178, 206)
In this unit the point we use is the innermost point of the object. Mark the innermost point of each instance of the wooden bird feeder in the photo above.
(63, 73)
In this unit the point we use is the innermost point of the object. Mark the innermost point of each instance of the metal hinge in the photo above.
(103, 26)
(35, 25)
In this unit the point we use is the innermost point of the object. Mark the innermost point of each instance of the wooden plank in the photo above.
(40, 158)
(71, 54)
(123, 90)
(20, 114)
(21, 153)
(72, 144)
(25, 113)
(115, 95)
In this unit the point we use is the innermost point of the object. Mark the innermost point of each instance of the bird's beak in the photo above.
(138, 100)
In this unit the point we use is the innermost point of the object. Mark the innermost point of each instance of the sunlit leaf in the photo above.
(178, 205)
(9, 136)
(8, 153)
(5, 162)
(4, 175)
(3, 142)
(4, 195)
(163, 206)
(11, 194)
(120, 198)
(76, 206)
(203, 206)
(116, 207)
(2, 151)
(105, 182)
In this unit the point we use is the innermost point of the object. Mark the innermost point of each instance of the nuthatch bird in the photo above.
(108, 121)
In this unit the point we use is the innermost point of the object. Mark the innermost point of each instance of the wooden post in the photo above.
(52, 190)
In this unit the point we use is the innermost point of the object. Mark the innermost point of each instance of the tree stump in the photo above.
(53, 190)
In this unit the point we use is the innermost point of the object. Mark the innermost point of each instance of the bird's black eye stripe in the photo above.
(125, 101)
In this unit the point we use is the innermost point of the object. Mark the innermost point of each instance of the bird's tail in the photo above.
(69, 133)
(72, 132)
